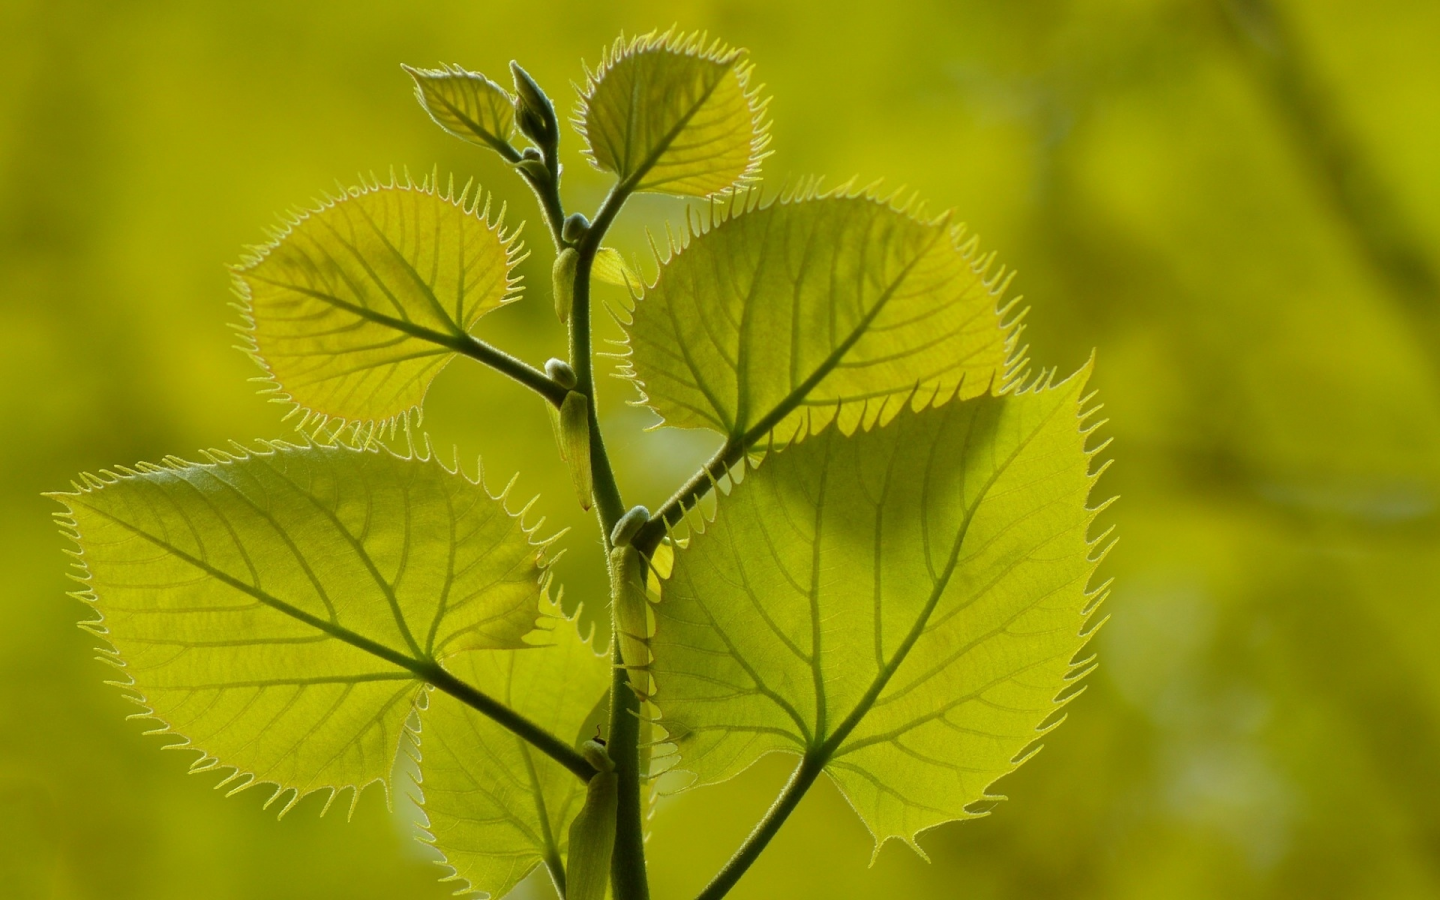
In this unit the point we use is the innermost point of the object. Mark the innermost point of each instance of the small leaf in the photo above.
(592, 834)
(497, 807)
(670, 113)
(610, 267)
(905, 605)
(787, 316)
(632, 614)
(358, 304)
(574, 436)
(467, 104)
(562, 282)
(262, 604)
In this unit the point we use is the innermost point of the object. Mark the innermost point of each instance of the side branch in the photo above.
(505, 364)
(506, 717)
(800, 781)
(684, 499)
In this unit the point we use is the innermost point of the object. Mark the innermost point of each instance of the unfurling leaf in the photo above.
(905, 605)
(496, 806)
(670, 113)
(265, 606)
(467, 104)
(358, 304)
(790, 315)
(592, 834)
(573, 433)
(562, 282)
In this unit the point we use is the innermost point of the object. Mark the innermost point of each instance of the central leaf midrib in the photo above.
(827, 365)
(883, 677)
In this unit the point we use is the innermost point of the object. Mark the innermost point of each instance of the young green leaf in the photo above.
(468, 105)
(787, 316)
(357, 305)
(496, 808)
(592, 834)
(573, 432)
(670, 113)
(270, 606)
(902, 606)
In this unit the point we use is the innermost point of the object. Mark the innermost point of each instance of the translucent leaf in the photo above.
(356, 306)
(670, 113)
(786, 316)
(904, 603)
(263, 604)
(466, 104)
(610, 267)
(497, 808)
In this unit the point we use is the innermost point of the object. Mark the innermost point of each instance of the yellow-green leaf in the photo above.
(466, 104)
(905, 605)
(574, 437)
(673, 114)
(592, 834)
(263, 604)
(497, 807)
(610, 267)
(783, 317)
(356, 306)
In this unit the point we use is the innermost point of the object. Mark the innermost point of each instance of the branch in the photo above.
(1377, 224)
(800, 781)
(473, 697)
(506, 364)
(683, 500)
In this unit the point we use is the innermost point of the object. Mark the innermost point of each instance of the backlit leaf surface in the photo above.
(672, 114)
(497, 808)
(906, 603)
(466, 104)
(357, 305)
(788, 315)
(258, 603)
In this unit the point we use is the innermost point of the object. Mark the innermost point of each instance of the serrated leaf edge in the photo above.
(323, 427)
(695, 44)
(695, 521)
(238, 778)
(995, 277)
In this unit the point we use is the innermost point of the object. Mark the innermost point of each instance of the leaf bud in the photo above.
(534, 113)
(560, 372)
(534, 168)
(575, 227)
(628, 525)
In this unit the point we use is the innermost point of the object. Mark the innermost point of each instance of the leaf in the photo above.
(610, 267)
(574, 438)
(592, 834)
(903, 604)
(264, 604)
(357, 305)
(497, 807)
(467, 105)
(670, 113)
(813, 308)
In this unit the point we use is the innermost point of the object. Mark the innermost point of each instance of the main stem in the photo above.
(627, 867)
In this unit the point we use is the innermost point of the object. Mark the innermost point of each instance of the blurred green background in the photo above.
(1238, 205)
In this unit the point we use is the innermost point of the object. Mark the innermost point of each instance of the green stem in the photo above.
(627, 869)
(539, 738)
(800, 781)
(685, 499)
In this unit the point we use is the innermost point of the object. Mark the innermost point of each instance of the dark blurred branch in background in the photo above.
(1380, 228)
